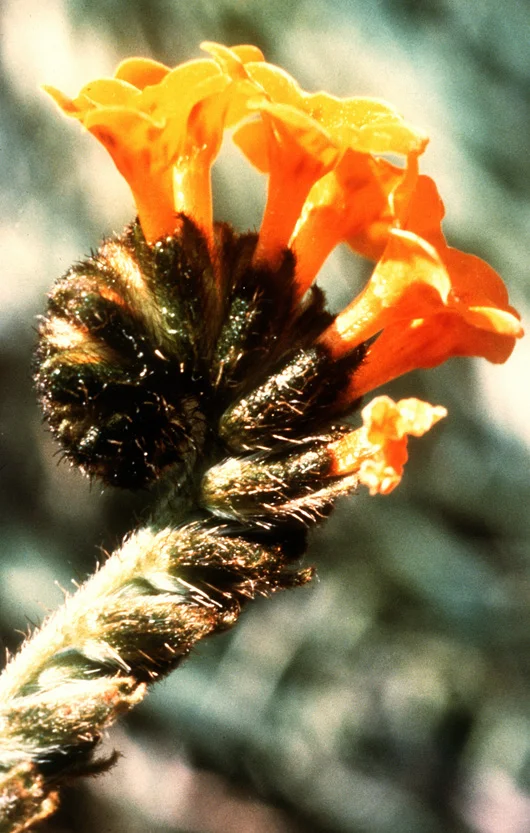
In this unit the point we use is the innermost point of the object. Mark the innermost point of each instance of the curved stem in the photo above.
(128, 625)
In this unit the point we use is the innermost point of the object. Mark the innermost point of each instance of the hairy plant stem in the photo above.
(128, 625)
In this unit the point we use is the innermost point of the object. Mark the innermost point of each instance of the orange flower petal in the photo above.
(234, 62)
(250, 138)
(298, 152)
(378, 450)
(247, 52)
(366, 124)
(359, 202)
(428, 302)
(386, 420)
(425, 343)
(473, 280)
(352, 203)
(182, 88)
(409, 282)
(64, 102)
(163, 138)
(355, 124)
(132, 140)
(425, 211)
(387, 425)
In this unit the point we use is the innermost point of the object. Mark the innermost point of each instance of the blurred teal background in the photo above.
(393, 694)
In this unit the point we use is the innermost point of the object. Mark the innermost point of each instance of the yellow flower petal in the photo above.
(366, 124)
(141, 72)
(108, 92)
(278, 86)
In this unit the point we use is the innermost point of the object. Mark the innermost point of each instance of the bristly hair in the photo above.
(154, 361)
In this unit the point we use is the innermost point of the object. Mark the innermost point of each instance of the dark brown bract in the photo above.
(152, 362)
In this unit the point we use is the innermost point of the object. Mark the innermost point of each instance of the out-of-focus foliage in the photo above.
(393, 694)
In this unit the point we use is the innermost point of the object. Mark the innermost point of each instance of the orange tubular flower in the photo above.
(330, 181)
(378, 450)
(163, 129)
(429, 302)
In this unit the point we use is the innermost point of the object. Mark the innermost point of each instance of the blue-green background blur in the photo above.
(393, 694)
